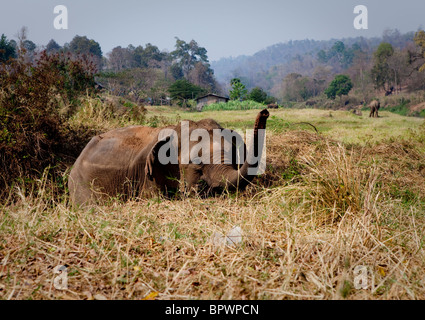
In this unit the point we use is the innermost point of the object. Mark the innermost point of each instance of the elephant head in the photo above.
(212, 156)
(134, 160)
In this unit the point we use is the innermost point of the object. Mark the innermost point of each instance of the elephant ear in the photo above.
(152, 161)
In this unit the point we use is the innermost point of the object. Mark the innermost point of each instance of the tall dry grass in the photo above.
(326, 211)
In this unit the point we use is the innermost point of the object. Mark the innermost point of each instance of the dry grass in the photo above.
(320, 211)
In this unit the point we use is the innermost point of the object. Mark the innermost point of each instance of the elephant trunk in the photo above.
(240, 178)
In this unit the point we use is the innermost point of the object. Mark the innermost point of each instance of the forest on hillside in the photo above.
(302, 69)
(295, 71)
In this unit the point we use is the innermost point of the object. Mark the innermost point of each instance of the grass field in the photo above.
(334, 206)
(341, 125)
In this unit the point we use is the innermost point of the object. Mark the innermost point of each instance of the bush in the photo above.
(34, 132)
(401, 109)
(234, 105)
(340, 86)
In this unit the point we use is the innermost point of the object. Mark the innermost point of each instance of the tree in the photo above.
(340, 86)
(321, 75)
(381, 72)
(29, 45)
(84, 46)
(120, 58)
(183, 90)
(338, 55)
(299, 88)
(257, 94)
(420, 42)
(202, 75)
(238, 91)
(359, 72)
(81, 45)
(148, 57)
(322, 57)
(395, 38)
(416, 61)
(186, 55)
(290, 87)
(191, 61)
(337, 50)
(7, 50)
(176, 71)
(52, 46)
(398, 64)
(25, 49)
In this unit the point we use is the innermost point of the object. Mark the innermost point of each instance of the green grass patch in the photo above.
(234, 105)
(401, 109)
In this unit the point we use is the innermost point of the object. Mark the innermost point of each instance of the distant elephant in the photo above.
(374, 107)
(127, 162)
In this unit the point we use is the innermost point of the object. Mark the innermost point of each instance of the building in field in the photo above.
(209, 99)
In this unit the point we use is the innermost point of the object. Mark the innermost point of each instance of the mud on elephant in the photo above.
(129, 162)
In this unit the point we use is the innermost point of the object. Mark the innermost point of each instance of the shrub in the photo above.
(340, 86)
(402, 108)
(34, 132)
(234, 105)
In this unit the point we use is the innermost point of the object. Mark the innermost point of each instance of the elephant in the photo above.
(374, 107)
(129, 162)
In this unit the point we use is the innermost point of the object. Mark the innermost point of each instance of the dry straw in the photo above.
(326, 211)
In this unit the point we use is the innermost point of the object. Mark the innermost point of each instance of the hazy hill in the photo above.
(261, 68)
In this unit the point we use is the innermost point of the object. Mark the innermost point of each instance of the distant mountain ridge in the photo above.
(262, 63)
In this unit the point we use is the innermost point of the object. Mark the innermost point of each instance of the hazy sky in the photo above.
(224, 27)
